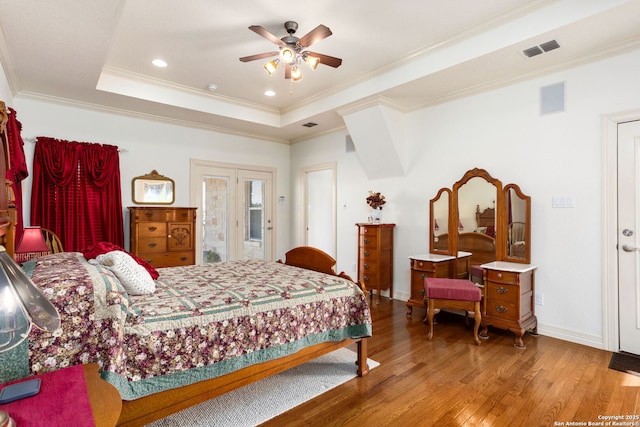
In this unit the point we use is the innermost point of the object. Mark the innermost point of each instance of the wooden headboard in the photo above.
(481, 246)
(486, 218)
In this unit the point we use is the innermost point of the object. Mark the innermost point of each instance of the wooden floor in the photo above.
(452, 382)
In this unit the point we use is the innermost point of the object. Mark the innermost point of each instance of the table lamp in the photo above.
(32, 245)
(21, 305)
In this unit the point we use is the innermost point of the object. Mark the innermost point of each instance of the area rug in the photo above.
(258, 402)
(625, 362)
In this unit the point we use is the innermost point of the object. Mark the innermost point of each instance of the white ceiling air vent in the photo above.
(541, 48)
(310, 124)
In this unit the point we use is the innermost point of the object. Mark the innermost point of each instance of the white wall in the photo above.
(502, 132)
(150, 145)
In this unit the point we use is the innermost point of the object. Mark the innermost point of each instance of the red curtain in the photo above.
(76, 192)
(17, 170)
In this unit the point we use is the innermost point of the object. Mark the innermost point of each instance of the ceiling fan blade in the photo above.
(314, 36)
(261, 31)
(331, 61)
(258, 56)
(287, 71)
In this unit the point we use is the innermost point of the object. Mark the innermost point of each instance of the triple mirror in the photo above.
(481, 219)
(153, 189)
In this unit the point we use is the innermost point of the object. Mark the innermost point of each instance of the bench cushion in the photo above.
(453, 289)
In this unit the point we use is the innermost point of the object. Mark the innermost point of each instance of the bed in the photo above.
(205, 330)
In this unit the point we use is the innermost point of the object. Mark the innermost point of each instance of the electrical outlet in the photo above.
(539, 298)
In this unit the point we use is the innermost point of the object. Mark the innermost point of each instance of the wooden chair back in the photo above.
(52, 240)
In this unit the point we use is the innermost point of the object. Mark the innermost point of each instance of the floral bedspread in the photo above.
(202, 321)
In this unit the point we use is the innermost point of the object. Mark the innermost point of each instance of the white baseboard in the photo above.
(572, 336)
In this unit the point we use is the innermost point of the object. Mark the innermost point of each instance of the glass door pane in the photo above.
(215, 218)
(253, 245)
(255, 214)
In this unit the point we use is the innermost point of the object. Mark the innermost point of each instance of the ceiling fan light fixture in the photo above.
(271, 66)
(312, 61)
(296, 74)
(288, 55)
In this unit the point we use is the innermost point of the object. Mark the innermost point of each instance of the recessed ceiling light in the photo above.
(269, 93)
(159, 63)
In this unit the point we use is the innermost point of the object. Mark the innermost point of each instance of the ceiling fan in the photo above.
(292, 50)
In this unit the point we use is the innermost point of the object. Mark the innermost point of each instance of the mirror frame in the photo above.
(432, 235)
(153, 178)
(527, 229)
(480, 173)
(500, 212)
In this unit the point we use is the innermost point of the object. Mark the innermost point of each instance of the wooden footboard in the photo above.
(147, 409)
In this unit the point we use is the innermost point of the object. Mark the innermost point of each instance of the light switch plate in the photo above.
(567, 201)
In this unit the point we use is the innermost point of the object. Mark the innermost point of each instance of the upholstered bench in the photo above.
(455, 294)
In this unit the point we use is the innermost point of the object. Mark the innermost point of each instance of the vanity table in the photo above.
(508, 298)
(480, 229)
(431, 265)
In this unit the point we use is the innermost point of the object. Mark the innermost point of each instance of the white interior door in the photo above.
(320, 208)
(629, 235)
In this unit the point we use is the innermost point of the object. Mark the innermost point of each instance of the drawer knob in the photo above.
(501, 309)
(500, 275)
(423, 276)
(366, 266)
(152, 245)
(184, 258)
(366, 253)
(152, 228)
(420, 264)
(366, 240)
(502, 290)
(365, 278)
(148, 214)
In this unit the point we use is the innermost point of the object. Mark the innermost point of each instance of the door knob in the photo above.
(629, 248)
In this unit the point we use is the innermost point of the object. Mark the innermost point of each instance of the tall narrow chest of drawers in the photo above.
(375, 256)
(163, 236)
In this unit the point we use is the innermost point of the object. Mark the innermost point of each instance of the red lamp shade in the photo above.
(32, 245)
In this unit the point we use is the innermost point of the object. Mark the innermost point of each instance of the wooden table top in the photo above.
(104, 398)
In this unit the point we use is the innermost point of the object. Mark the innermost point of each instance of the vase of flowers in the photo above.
(375, 201)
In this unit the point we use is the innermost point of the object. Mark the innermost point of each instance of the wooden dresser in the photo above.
(375, 256)
(508, 298)
(163, 236)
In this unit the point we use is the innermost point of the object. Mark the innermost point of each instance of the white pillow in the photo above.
(134, 277)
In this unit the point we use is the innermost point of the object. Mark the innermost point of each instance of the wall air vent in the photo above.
(541, 48)
(310, 124)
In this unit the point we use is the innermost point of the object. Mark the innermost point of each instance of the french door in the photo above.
(629, 235)
(235, 211)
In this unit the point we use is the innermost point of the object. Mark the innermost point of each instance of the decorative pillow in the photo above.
(133, 277)
(103, 247)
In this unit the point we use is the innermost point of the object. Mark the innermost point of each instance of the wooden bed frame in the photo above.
(150, 408)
